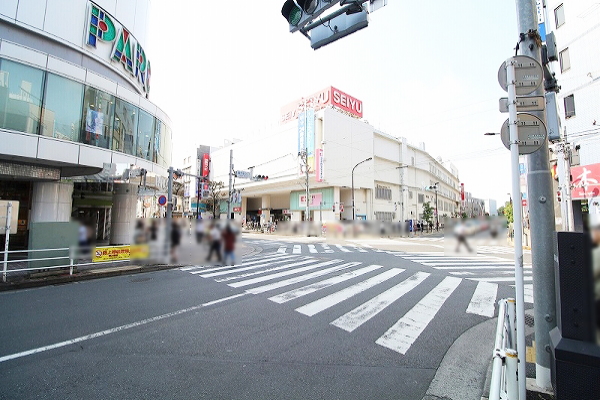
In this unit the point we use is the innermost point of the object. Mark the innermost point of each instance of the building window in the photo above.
(383, 192)
(410, 194)
(125, 127)
(98, 116)
(384, 216)
(569, 106)
(559, 15)
(63, 102)
(20, 97)
(421, 198)
(412, 161)
(145, 139)
(565, 60)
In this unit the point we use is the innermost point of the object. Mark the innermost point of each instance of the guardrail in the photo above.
(76, 257)
(504, 382)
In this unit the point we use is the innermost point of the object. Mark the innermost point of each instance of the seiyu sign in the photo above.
(320, 100)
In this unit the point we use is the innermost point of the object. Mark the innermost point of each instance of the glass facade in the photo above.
(61, 114)
(38, 102)
(98, 116)
(20, 97)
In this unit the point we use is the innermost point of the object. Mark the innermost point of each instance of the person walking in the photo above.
(215, 242)
(175, 240)
(199, 230)
(229, 239)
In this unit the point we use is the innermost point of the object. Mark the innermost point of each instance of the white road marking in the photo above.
(113, 330)
(282, 250)
(190, 268)
(326, 248)
(303, 291)
(441, 264)
(342, 248)
(502, 279)
(297, 249)
(252, 267)
(359, 249)
(301, 278)
(512, 267)
(483, 301)
(326, 302)
(361, 314)
(403, 333)
(274, 259)
(312, 248)
(264, 271)
(281, 274)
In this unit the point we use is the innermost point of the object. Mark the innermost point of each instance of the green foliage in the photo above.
(213, 202)
(507, 211)
(427, 212)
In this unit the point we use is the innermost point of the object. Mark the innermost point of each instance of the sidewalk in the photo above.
(189, 253)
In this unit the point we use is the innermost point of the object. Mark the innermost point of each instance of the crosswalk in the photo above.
(322, 248)
(477, 268)
(298, 278)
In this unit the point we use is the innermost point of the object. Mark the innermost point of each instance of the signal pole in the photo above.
(230, 183)
(541, 212)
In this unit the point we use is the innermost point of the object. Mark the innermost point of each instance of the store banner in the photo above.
(301, 132)
(315, 199)
(205, 165)
(585, 182)
(319, 167)
(116, 253)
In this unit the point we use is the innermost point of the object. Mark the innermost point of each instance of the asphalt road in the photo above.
(299, 320)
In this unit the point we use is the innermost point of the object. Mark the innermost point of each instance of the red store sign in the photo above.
(320, 100)
(585, 182)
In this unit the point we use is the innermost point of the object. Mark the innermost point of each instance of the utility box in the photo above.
(51, 235)
(575, 351)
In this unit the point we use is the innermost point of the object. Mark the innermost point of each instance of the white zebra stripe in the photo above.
(326, 302)
(361, 314)
(483, 301)
(403, 333)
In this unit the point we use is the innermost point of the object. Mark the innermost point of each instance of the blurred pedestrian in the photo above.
(140, 235)
(153, 230)
(199, 230)
(175, 240)
(460, 231)
(215, 242)
(229, 238)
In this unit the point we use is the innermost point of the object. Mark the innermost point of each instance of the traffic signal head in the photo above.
(298, 13)
(261, 178)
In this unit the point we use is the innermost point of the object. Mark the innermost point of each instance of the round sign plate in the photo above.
(528, 73)
(162, 200)
(531, 133)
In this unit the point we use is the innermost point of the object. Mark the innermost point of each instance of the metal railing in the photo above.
(504, 382)
(75, 257)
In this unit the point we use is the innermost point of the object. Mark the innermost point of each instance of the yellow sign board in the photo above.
(116, 253)
(140, 251)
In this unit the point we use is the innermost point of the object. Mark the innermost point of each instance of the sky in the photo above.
(425, 70)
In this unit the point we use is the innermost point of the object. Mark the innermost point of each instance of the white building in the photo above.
(388, 187)
(75, 116)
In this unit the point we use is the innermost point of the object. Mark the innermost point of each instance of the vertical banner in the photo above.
(301, 132)
(310, 137)
(319, 165)
(205, 165)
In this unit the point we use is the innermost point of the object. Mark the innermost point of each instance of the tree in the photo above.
(507, 211)
(213, 201)
(427, 212)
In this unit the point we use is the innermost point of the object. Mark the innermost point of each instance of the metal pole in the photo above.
(518, 226)
(353, 213)
(230, 183)
(6, 238)
(541, 217)
(437, 217)
(308, 199)
(169, 218)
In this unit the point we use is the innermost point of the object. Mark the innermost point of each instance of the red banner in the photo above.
(205, 165)
(320, 100)
(586, 182)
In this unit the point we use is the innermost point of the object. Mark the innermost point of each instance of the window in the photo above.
(98, 116)
(20, 97)
(569, 106)
(384, 216)
(125, 127)
(421, 198)
(145, 139)
(383, 192)
(559, 15)
(63, 101)
(565, 60)
(410, 194)
(412, 161)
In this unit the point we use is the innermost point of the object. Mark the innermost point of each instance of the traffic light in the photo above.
(355, 8)
(558, 196)
(205, 190)
(299, 13)
(177, 174)
(260, 178)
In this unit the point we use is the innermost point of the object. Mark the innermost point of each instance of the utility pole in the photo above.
(307, 217)
(541, 213)
(169, 218)
(230, 183)
(563, 163)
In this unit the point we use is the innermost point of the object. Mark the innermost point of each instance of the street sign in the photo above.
(531, 133)
(243, 174)
(525, 103)
(528, 75)
(524, 203)
(162, 200)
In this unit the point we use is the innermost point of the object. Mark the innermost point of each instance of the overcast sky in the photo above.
(425, 70)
